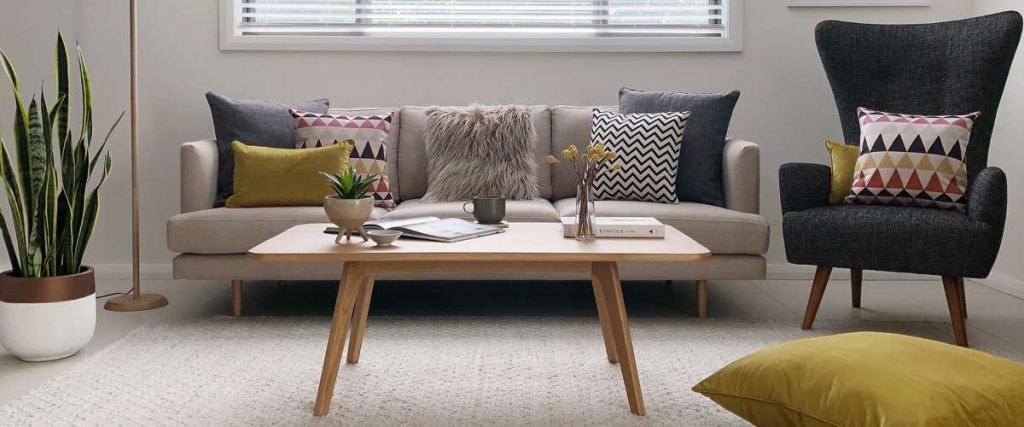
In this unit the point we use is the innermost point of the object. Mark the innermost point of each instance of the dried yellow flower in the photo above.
(617, 166)
(552, 160)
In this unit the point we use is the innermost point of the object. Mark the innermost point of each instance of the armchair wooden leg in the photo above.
(817, 291)
(856, 280)
(702, 299)
(955, 300)
(236, 298)
(963, 297)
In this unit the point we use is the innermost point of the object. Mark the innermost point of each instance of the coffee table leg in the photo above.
(602, 316)
(355, 343)
(351, 280)
(607, 273)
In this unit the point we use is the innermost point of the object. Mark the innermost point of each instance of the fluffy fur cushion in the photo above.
(480, 151)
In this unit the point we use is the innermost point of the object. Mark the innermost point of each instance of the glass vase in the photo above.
(585, 212)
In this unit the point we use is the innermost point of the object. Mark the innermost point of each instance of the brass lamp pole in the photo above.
(136, 301)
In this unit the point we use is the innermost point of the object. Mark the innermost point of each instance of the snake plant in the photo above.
(53, 209)
(348, 184)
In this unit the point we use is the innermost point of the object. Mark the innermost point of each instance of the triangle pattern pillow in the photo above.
(369, 153)
(648, 148)
(911, 160)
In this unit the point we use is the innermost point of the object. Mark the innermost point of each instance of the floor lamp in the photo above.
(136, 300)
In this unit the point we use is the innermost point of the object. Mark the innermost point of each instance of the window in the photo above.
(482, 25)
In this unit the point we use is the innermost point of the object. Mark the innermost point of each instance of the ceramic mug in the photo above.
(487, 210)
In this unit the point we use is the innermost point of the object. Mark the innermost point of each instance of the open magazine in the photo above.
(431, 228)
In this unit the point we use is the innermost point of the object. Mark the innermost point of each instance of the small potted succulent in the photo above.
(349, 207)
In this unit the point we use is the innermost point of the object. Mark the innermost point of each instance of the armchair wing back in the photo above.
(952, 67)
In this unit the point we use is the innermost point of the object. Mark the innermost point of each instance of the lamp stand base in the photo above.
(130, 303)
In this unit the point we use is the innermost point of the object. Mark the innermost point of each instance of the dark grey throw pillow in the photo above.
(700, 159)
(261, 123)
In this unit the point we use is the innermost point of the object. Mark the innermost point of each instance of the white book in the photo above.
(615, 226)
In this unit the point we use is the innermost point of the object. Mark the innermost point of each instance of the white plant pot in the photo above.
(47, 318)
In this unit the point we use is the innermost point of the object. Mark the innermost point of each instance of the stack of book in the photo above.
(613, 226)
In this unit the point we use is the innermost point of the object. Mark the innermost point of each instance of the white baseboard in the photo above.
(806, 272)
(1003, 283)
(997, 281)
(124, 271)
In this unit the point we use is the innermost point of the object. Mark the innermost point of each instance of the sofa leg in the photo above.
(955, 300)
(702, 299)
(817, 291)
(856, 280)
(236, 298)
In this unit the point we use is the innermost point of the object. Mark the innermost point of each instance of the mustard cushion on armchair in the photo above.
(267, 176)
(870, 379)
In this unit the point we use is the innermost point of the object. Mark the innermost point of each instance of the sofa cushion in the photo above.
(236, 230)
(481, 151)
(721, 230)
(889, 238)
(536, 210)
(412, 158)
(700, 160)
(262, 123)
(267, 176)
(647, 155)
(569, 125)
(391, 143)
(368, 134)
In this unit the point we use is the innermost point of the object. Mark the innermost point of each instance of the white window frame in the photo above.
(858, 3)
(232, 39)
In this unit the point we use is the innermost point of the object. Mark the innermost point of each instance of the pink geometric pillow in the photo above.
(369, 156)
(909, 160)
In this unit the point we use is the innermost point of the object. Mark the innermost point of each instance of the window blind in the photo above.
(481, 18)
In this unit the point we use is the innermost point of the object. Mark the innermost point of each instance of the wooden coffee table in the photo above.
(533, 248)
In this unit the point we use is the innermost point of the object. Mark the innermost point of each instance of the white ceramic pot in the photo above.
(47, 318)
(348, 214)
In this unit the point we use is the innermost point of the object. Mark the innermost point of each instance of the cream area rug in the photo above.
(416, 371)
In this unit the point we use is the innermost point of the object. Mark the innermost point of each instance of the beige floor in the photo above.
(995, 319)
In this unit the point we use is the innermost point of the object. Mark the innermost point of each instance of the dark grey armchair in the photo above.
(943, 68)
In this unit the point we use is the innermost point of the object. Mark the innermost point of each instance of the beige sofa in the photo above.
(212, 242)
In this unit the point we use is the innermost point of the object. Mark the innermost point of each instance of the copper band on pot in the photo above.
(46, 289)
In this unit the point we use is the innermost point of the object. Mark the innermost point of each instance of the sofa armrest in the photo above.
(986, 200)
(741, 176)
(198, 175)
(804, 185)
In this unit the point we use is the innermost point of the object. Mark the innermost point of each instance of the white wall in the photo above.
(1007, 152)
(786, 104)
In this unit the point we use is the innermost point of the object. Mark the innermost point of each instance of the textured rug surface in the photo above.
(426, 371)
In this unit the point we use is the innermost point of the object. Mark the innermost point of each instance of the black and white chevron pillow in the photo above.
(648, 147)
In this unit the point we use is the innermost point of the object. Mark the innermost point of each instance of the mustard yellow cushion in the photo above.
(844, 158)
(284, 176)
(870, 379)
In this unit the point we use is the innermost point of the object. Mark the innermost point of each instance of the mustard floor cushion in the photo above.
(870, 379)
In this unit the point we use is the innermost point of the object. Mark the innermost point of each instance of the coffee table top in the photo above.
(522, 241)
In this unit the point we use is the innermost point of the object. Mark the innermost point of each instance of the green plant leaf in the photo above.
(13, 191)
(60, 110)
(83, 73)
(103, 146)
(92, 210)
